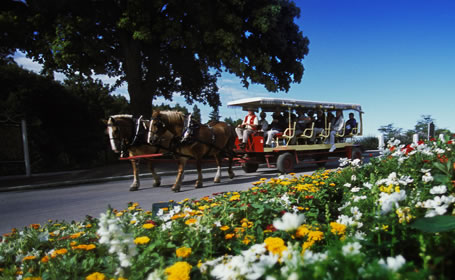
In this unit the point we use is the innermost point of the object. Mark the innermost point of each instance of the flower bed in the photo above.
(389, 219)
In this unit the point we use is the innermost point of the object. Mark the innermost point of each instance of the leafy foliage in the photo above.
(64, 121)
(163, 47)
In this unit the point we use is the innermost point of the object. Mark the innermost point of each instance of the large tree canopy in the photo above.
(162, 47)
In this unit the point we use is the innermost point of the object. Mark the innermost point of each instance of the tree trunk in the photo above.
(140, 97)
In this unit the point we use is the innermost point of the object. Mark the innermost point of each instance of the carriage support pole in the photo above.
(28, 170)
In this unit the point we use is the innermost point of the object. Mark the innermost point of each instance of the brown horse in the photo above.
(215, 140)
(126, 138)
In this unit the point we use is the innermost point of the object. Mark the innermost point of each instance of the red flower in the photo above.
(421, 142)
(392, 148)
(407, 149)
(450, 142)
(150, 222)
(432, 139)
(271, 228)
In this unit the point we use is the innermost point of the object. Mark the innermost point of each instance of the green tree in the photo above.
(167, 107)
(162, 47)
(214, 115)
(196, 114)
(233, 123)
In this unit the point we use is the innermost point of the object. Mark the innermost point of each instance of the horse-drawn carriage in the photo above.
(170, 132)
(291, 147)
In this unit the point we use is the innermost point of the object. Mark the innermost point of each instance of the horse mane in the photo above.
(172, 117)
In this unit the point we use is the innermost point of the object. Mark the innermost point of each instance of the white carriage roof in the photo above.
(269, 104)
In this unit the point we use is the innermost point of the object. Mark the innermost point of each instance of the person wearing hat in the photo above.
(248, 126)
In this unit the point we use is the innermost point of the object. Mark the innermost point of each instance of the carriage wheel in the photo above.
(285, 163)
(250, 167)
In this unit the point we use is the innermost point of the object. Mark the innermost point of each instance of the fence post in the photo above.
(441, 137)
(381, 141)
(415, 138)
(28, 170)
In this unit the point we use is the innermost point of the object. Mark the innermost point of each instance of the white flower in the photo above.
(393, 263)
(367, 185)
(345, 220)
(438, 189)
(355, 189)
(348, 185)
(426, 178)
(356, 213)
(351, 248)
(353, 177)
(289, 221)
(344, 161)
(388, 201)
(309, 257)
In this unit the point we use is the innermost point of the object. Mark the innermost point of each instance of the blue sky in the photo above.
(395, 58)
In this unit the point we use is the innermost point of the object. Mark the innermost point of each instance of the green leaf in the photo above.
(435, 224)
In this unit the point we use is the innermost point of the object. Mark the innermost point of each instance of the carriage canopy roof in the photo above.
(269, 104)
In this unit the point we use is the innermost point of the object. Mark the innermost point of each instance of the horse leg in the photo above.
(181, 169)
(218, 170)
(231, 173)
(136, 183)
(155, 175)
(199, 180)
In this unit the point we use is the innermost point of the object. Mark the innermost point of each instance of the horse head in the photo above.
(163, 122)
(120, 130)
(156, 128)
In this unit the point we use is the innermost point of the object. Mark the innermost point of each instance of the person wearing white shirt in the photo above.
(337, 128)
(248, 126)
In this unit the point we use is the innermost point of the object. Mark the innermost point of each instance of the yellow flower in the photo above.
(275, 245)
(148, 226)
(133, 222)
(315, 235)
(224, 228)
(84, 247)
(119, 214)
(337, 228)
(142, 240)
(88, 226)
(385, 227)
(248, 239)
(183, 252)
(61, 251)
(28, 258)
(332, 184)
(96, 276)
(179, 271)
(76, 235)
(229, 236)
(234, 197)
(33, 278)
(302, 231)
(190, 221)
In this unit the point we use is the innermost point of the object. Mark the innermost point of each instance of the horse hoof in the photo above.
(198, 186)
(231, 175)
(175, 189)
(157, 184)
(135, 188)
(217, 180)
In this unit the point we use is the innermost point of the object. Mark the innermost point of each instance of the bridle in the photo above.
(115, 139)
(160, 130)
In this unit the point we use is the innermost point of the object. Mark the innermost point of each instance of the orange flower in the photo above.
(28, 258)
(229, 236)
(45, 259)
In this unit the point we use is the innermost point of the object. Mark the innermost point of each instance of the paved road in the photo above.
(21, 208)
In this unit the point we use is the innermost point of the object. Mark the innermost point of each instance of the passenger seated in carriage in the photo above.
(303, 122)
(277, 125)
(319, 124)
(350, 124)
(248, 126)
(337, 128)
(263, 124)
